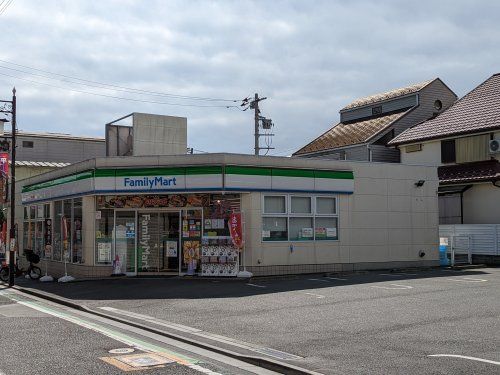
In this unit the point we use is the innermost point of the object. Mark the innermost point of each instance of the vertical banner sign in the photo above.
(235, 228)
(48, 238)
(4, 163)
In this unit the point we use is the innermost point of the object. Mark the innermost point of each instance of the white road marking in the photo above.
(336, 278)
(468, 280)
(466, 357)
(257, 286)
(315, 295)
(200, 333)
(394, 287)
(398, 274)
(323, 281)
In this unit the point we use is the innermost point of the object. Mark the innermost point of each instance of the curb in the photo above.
(269, 364)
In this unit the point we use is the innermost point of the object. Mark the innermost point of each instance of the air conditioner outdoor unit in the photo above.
(494, 146)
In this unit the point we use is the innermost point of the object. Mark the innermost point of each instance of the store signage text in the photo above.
(150, 182)
(145, 241)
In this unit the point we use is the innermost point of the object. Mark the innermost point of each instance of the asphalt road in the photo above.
(374, 323)
(40, 337)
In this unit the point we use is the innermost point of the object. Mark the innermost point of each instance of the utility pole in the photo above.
(266, 123)
(12, 237)
(9, 106)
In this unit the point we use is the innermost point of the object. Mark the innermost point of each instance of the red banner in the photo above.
(236, 230)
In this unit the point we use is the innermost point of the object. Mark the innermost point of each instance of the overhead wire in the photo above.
(118, 97)
(107, 86)
(2, 10)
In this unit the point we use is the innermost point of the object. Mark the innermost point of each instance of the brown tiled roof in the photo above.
(470, 172)
(346, 134)
(387, 95)
(477, 111)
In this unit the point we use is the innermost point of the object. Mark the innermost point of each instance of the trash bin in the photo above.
(443, 257)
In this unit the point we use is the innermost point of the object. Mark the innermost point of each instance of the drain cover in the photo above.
(143, 360)
(121, 351)
(276, 353)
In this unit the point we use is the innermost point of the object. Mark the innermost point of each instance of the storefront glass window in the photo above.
(77, 231)
(57, 246)
(326, 228)
(326, 206)
(301, 229)
(104, 227)
(301, 220)
(66, 229)
(274, 204)
(274, 229)
(300, 205)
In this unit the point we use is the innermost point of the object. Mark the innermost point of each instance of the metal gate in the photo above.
(460, 251)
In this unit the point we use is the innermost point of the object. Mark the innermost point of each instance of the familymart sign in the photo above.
(186, 179)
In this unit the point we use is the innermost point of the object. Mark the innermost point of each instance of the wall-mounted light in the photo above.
(420, 183)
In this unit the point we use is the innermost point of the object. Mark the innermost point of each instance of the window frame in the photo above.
(445, 158)
(313, 214)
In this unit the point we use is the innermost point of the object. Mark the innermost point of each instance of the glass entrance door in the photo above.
(157, 241)
(169, 241)
(125, 241)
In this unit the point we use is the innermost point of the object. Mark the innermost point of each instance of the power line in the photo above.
(108, 86)
(118, 97)
(2, 10)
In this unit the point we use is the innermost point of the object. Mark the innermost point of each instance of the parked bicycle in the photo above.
(33, 271)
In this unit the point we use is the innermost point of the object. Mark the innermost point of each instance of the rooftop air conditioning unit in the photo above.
(495, 146)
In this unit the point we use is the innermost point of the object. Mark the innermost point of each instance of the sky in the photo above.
(309, 58)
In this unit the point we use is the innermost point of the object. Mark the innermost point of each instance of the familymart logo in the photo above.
(150, 182)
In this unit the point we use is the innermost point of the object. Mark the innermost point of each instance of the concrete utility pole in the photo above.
(12, 237)
(9, 106)
(266, 124)
(256, 119)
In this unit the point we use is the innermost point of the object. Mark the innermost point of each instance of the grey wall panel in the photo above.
(385, 154)
(389, 106)
(58, 150)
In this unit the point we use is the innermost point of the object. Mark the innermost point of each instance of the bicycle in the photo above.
(33, 271)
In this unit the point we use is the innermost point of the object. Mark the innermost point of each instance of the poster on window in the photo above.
(172, 249)
(104, 252)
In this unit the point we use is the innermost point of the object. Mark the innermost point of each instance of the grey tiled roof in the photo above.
(477, 111)
(346, 134)
(387, 95)
(487, 170)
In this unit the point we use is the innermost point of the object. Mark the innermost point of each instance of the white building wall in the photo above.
(385, 223)
(481, 204)
(429, 155)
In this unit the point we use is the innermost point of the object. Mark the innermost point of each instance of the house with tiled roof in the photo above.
(463, 142)
(367, 124)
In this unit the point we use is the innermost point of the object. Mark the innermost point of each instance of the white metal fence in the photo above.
(481, 239)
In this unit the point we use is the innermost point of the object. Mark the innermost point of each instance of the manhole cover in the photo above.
(121, 351)
(143, 360)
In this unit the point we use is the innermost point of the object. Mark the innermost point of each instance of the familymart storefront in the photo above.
(205, 215)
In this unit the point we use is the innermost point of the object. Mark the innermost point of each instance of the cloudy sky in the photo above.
(309, 58)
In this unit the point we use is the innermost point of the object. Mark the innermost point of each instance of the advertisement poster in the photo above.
(48, 238)
(172, 249)
(307, 232)
(104, 252)
(236, 230)
(331, 232)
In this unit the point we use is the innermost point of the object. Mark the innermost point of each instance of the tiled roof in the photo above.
(52, 164)
(346, 134)
(477, 111)
(469, 172)
(387, 95)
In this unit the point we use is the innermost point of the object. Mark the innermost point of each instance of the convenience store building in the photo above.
(217, 214)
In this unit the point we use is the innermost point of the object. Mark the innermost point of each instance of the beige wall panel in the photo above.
(369, 254)
(370, 186)
(396, 220)
(430, 154)
(398, 203)
(369, 237)
(369, 203)
(369, 220)
(400, 237)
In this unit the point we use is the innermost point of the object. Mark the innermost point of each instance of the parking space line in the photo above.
(315, 295)
(466, 357)
(395, 287)
(323, 281)
(469, 280)
(336, 278)
(256, 286)
(398, 274)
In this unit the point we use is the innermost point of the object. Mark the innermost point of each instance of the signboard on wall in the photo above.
(4, 163)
